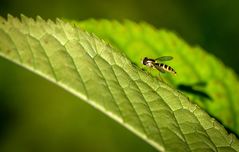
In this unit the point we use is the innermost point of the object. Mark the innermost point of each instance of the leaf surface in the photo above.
(200, 75)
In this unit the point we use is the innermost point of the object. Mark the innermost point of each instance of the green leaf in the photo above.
(200, 75)
(102, 76)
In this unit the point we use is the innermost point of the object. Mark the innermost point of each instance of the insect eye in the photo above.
(144, 61)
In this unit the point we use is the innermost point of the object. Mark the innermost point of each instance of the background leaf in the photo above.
(200, 75)
(103, 77)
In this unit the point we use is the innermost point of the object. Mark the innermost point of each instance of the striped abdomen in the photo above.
(163, 67)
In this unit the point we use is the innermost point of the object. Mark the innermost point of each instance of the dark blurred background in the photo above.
(35, 115)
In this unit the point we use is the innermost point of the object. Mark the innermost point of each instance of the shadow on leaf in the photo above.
(196, 89)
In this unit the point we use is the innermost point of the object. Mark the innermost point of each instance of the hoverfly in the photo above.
(156, 63)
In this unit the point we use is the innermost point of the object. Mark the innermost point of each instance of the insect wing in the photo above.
(164, 58)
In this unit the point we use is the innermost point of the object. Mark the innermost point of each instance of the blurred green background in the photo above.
(35, 115)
